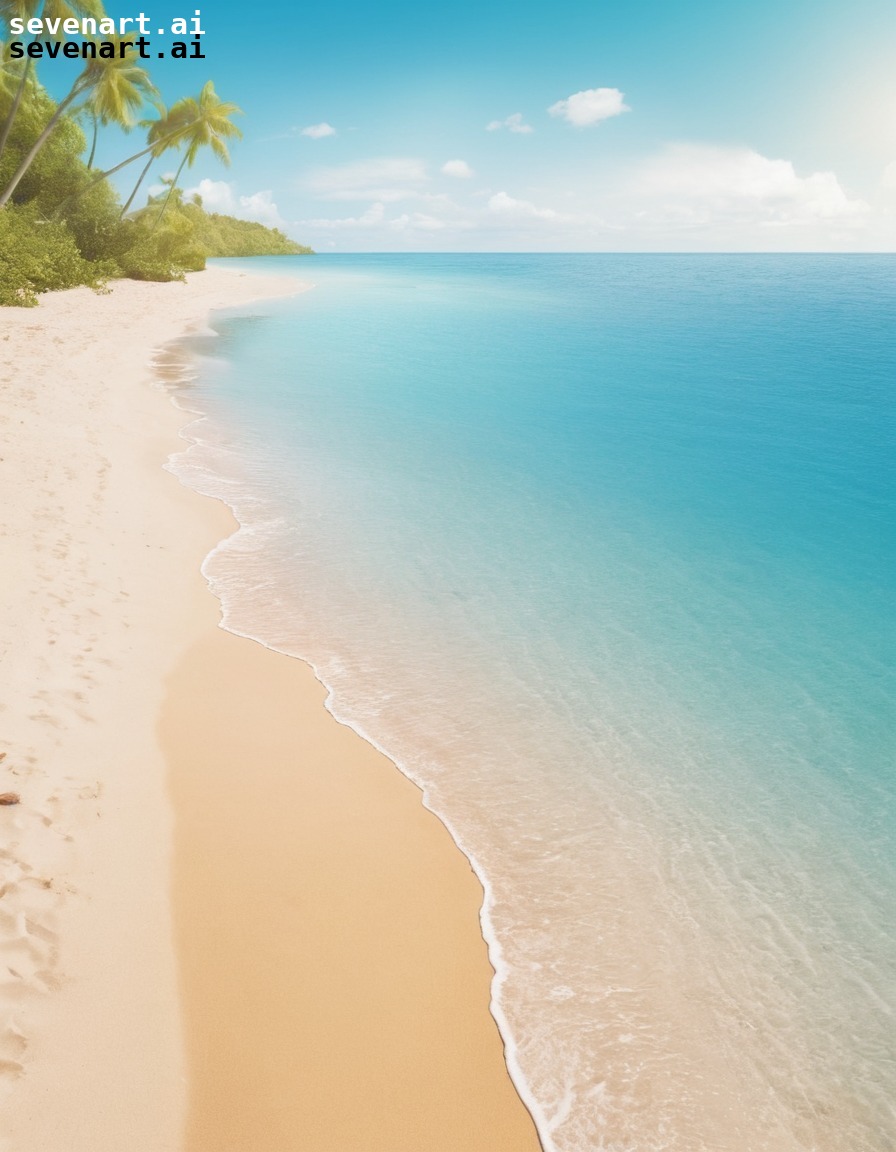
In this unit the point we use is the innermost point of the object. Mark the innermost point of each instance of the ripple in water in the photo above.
(597, 549)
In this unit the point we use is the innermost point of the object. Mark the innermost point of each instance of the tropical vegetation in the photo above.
(61, 221)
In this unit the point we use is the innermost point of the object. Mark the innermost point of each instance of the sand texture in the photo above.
(287, 957)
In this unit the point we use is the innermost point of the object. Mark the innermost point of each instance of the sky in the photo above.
(683, 125)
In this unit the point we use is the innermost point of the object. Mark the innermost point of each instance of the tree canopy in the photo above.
(61, 223)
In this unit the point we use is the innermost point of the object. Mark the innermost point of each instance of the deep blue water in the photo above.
(600, 549)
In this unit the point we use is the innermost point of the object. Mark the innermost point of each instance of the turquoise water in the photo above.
(600, 550)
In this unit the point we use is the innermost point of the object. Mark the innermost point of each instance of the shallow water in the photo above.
(600, 550)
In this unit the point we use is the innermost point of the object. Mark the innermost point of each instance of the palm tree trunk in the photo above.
(171, 190)
(14, 110)
(118, 167)
(96, 129)
(124, 210)
(28, 159)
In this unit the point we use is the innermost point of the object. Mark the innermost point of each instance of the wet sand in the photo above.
(227, 922)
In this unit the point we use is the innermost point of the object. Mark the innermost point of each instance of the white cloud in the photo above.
(260, 206)
(513, 123)
(703, 183)
(419, 221)
(375, 220)
(459, 168)
(157, 189)
(683, 197)
(590, 106)
(372, 218)
(219, 196)
(384, 180)
(318, 131)
(505, 205)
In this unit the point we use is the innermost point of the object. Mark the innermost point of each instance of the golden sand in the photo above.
(288, 957)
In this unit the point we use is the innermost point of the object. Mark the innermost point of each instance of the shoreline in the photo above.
(113, 631)
(179, 373)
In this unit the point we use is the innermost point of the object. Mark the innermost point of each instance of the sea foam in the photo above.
(597, 550)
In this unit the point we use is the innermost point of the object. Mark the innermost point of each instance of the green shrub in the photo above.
(63, 228)
(56, 170)
(217, 235)
(227, 236)
(40, 256)
(159, 251)
(93, 219)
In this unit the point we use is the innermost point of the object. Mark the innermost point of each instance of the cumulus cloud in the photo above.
(513, 123)
(505, 205)
(318, 131)
(705, 182)
(260, 206)
(385, 180)
(590, 106)
(219, 196)
(458, 168)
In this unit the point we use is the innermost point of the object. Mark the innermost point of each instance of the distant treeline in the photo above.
(219, 235)
(61, 221)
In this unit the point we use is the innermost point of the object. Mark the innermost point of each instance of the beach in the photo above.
(537, 553)
(228, 924)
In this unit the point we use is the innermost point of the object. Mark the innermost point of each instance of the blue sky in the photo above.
(583, 126)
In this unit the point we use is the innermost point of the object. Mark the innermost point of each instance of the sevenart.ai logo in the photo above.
(86, 38)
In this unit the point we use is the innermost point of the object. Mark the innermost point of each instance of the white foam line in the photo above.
(493, 944)
(543, 1125)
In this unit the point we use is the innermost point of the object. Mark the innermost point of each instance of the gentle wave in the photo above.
(635, 723)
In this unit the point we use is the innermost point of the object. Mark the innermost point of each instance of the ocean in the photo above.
(600, 550)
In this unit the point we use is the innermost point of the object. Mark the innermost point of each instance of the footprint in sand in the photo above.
(13, 1044)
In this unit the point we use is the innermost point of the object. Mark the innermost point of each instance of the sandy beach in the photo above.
(227, 923)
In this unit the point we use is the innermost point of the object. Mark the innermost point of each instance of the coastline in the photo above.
(117, 974)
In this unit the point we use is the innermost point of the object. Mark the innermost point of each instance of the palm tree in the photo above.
(181, 120)
(206, 124)
(48, 10)
(8, 82)
(120, 92)
(163, 134)
(157, 148)
(118, 85)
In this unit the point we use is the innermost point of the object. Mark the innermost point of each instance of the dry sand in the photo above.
(289, 958)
